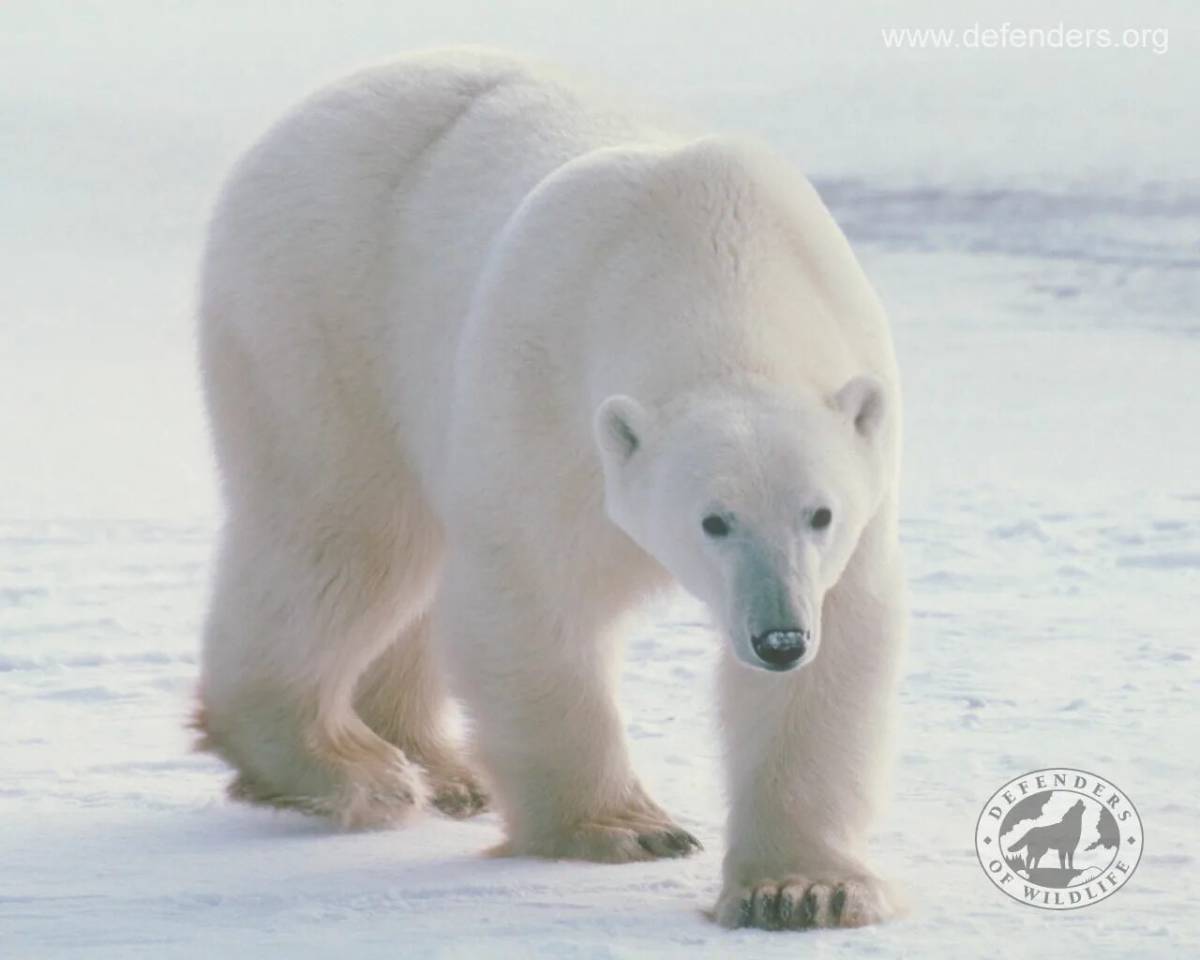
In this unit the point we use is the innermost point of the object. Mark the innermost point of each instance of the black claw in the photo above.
(683, 841)
(770, 909)
(838, 903)
(808, 909)
(746, 912)
(673, 842)
(787, 908)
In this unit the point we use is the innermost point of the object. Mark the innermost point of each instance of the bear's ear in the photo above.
(620, 428)
(861, 399)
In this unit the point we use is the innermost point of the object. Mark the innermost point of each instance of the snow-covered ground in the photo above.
(1033, 223)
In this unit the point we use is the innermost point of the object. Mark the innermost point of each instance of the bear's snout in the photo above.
(781, 649)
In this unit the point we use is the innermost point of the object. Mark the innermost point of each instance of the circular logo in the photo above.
(1059, 838)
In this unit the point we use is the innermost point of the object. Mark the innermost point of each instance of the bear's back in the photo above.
(361, 222)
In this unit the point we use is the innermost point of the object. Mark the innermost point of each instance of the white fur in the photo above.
(481, 353)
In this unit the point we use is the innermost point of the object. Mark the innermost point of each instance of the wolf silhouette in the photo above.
(1062, 837)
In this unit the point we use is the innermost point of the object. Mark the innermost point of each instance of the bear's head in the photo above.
(753, 501)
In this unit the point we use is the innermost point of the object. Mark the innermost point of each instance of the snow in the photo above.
(1031, 221)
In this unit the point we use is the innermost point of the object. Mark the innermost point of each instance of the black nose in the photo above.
(779, 649)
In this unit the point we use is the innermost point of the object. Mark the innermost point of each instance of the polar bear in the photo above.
(488, 359)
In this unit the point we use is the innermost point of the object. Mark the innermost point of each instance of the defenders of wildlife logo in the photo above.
(1059, 838)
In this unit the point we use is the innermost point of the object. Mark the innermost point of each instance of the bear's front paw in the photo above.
(801, 903)
(611, 840)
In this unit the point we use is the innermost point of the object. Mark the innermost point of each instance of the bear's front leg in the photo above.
(538, 684)
(808, 754)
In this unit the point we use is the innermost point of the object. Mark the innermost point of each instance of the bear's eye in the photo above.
(821, 518)
(715, 525)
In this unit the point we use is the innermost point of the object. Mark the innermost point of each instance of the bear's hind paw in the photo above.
(458, 795)
(385, 798)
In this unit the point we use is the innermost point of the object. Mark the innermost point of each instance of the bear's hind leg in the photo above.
(293, 622)
(401, 696)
